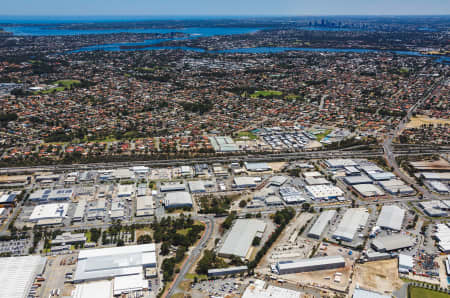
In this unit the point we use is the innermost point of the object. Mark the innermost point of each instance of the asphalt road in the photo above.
(195, 253)
(387, 144)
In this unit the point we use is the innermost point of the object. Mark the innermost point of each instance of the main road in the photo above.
(387, 144)
(194, 254)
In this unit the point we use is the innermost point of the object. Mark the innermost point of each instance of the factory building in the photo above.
(324, 192)
(352, 180)
(125, 191)
(18, 274)
(381, 176)
(257, 166)
(438, 187)
(106, 263)
(239, 240)
(197, 186)
(273, 201)
(405, 263)
(278, 180)
(47, 195)
(49, 213)
(178, 199)
(321, 223)
(244, 182)
(396, 187)
(368, 190)
(436, 176)
(392, 242)
(340, 163)
(172, 187)
(69, 238)
(435, 208)
(391, 218)
(353, 220)
(291, 195)
(442, 236)
(360, 293)
(144, 206)
(227, 271)
(8, 200)
(259, 290)
(312, 264)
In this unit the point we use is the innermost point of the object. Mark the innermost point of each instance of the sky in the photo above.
(223, 7)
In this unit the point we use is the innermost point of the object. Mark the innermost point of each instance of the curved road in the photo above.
(194, 254)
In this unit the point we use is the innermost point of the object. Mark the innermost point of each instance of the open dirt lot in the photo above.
(277, 166)
(420, 120)
(378, 275)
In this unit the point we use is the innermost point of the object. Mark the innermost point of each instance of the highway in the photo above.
(194, 254)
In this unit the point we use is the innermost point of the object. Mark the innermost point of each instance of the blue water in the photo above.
(200, 32)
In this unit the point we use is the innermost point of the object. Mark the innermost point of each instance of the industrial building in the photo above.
(316, 181)
(442, 236)
(185, 171)
(8, 200)
(396, 187)
(197, 186)
(436, 176)
(223, 144)
(69, 238)
(79, 211)
(392, 242)
(381, 176)
(105, 263)
(123, 174)
(391, 217)
(49, 213)
(245, 182)
(227, 271)
(405, 263)
(125, 190)
(273, 201)
(172, 187)
(360, 293)
(278, 180)
(435, 208)
(352, 180)
(438, 187)
(368, 190)
(240, 238)
(340, 163)
(48, 195)
(259, 290)
(321, 223)
(291, 195)
(18, 274)
(97, 289)
(312, 264)
(324, 192)
(145, 206)
(353, 220)
(257, 166)
(178, 199)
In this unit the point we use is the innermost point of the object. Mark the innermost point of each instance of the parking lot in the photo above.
(230, 287)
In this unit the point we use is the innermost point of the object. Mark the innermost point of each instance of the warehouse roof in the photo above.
(436, 176)
(57, 210)
(278, 180)
(391, 217)
(97, 289)
(172, 187)
(360, 293)
(223, 144)
(316, 261)
(324, 191)
(178, 198)
(244, 181)
(357, 179)
(240, 238)
(102, 263)
(340, 163)
(321, 223)
(196, 186)
(392, 242)
(259, 291)
(353, 219)
(257, 166)
(18, 273)
(368, 190)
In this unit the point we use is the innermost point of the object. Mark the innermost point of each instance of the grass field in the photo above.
(247, 134)
(199, 276)
(266, 93)
(420, 120)
(425, 293)
(320, 136)
(62, 85)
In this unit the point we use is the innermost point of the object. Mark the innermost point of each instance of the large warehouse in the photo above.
(240, 238)
(391, 217)
(322, 222)
(392, 242)
(55, 212)
(313, 264)
(105, 263)
(18, 274)
(178, 199)
(353, 219)
(324, 192)
(368, 190)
